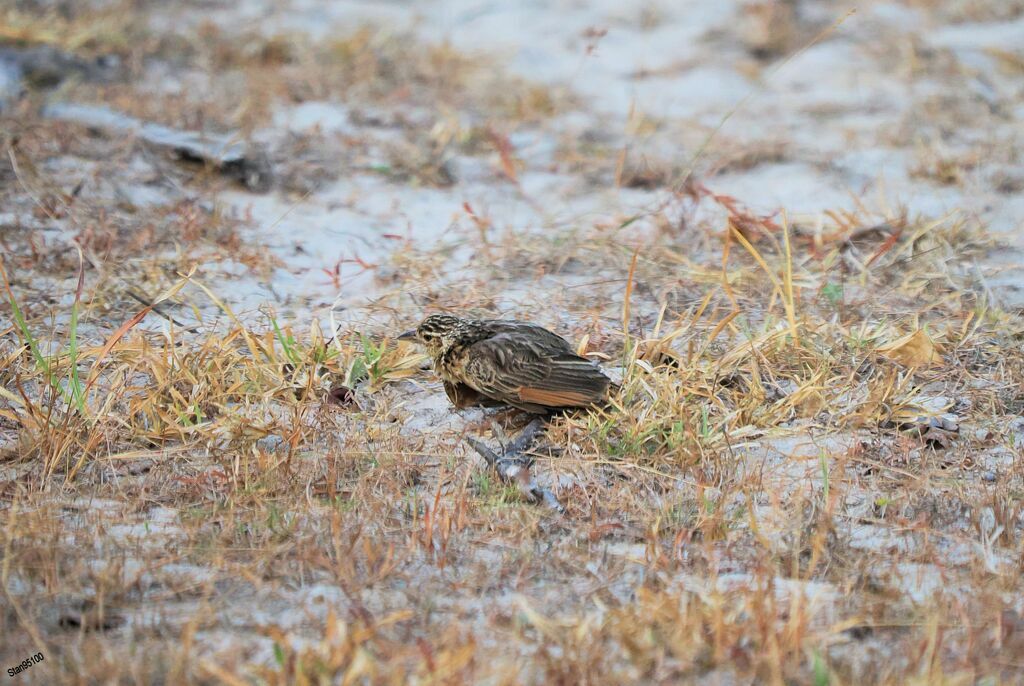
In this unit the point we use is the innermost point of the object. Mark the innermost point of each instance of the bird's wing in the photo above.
(522, 372)
(549, 339)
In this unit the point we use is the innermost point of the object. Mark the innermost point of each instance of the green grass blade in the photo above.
(77, 390)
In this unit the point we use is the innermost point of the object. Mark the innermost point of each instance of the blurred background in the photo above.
(339, 131)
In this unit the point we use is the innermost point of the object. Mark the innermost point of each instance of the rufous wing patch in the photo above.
(540, 396)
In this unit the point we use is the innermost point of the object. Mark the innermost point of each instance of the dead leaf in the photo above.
(913, 350)
(503, 145)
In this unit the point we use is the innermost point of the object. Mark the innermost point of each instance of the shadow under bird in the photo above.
(496, 361)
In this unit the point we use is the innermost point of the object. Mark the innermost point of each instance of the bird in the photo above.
(508, 362)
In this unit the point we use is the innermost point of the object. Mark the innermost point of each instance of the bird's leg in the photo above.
(499, 434)
(511, 417)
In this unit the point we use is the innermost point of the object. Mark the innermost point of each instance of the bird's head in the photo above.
(436, 333)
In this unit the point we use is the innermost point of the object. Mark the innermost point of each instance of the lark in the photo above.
(495, 362)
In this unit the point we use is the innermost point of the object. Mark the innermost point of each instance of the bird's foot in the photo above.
(509, 419)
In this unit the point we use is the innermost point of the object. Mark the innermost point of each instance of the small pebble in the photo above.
(270, 443)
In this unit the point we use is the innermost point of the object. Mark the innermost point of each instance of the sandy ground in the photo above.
(868, 115)
(509, 159)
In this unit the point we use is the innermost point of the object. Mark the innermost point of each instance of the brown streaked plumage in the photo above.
(496, 361)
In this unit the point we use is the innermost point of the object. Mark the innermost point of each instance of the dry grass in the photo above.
(810, 472)
(754, 435)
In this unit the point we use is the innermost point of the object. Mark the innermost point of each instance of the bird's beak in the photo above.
(408, 335)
